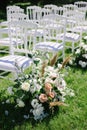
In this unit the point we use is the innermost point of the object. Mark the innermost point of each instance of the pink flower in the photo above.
(48, 87)
(51, 94)
(43, 98)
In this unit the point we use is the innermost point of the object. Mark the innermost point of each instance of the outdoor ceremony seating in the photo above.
(43, 63)
(53, 29)
(16, 62)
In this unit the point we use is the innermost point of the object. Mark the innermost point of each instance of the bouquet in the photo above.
(42, 90)
(79, 58)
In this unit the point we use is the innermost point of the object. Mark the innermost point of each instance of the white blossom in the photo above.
(7, 101)
(48, 79)
(38, 113)
(82, 63)
(38, 87)
(34, 103)
(84, 55)
(25, 86)
(77, 51)
(59, 65)
(6, 112)
(10, 90)
(32, 89)
(20, 103)
(26, 116)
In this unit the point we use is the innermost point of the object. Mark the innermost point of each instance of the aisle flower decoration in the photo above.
(79, 58)
(42, 90)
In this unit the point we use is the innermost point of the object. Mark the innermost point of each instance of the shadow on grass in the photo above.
(10, 116)
(78, 68)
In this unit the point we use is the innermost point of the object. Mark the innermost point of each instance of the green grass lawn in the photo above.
(71, 117)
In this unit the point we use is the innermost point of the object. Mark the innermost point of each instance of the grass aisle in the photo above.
(72, 117)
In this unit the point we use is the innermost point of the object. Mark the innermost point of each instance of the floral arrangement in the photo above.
(79, 58)
(42, 90)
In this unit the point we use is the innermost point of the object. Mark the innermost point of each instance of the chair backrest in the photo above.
(70, 7)
(30, 11)
(19, 16)
(40, 13)
(49, 6)
(18, 34)
(54, 25)
(13, 9)
(81, 4)
(59, 10)
(55, 18)
(54, 32)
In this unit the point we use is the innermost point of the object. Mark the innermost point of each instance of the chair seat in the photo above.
(40, 32)
(50, 46)
(72, 37)
(4, 30)
(6, 41)
(5, 23)
(8, 63)
(81, 28)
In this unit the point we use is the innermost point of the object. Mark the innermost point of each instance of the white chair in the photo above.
(4, 42)
(81, 4)
(59, 10)
(4, 32)
(50, 7)
(52, 41)
(40, 13)
(72, 35)
(30, 12)
(10, 10)
(16, 62)
(70, 7)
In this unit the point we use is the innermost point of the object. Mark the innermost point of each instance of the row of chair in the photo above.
(24, 36)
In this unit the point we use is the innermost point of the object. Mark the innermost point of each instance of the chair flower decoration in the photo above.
(79, 58)
(42, 90)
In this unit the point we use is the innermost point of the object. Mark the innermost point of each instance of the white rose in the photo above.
(20, 103)
(80, 62)
(59, 66)
(84, 55)
(25, 86)
(83, 64)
